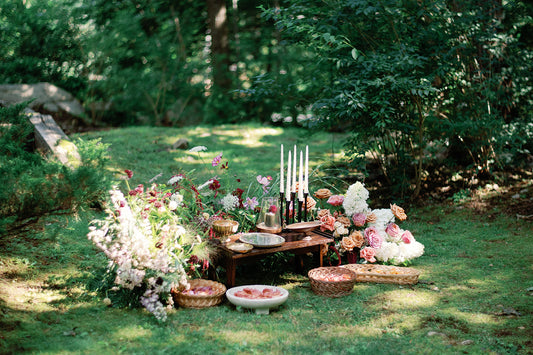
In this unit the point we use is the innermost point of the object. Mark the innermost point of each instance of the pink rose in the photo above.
(368, 254)
(407, 237)
(359, 219)
(336, 200)
(393, 230)
(373, 238)
(328, 223)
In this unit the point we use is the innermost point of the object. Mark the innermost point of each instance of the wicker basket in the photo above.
(200, 301)
(384, 274)
(331, 288)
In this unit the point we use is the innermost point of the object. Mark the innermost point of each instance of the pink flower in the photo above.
(336, 200)
(359, 219)
(217, 160)
(373, 238)
(265, 181)
(368, 254)
(407, 237)
(393, 230)
(273, 209)
(328, 223)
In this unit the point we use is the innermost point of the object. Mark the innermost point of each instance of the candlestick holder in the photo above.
(305, 205)
(300, 204)
(287, 212)
(281, 200)
(293, 200)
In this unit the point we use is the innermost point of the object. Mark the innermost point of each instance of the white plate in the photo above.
(262, 240)
(261, 306)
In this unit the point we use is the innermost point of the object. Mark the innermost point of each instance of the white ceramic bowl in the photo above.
(261, 306)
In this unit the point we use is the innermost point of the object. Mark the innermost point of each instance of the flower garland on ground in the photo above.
(374, 232)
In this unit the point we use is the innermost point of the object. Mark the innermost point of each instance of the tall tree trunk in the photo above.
(218, 25)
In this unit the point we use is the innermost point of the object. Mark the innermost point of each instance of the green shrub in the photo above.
(32, 185)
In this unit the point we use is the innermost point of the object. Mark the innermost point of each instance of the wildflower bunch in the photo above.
(148, 244)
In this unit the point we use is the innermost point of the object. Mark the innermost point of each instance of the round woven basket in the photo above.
(200, 301)
(331, 288)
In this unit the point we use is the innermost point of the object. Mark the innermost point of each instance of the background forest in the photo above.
(426, 89)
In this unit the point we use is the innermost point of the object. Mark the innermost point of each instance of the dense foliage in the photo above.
(411, 77)
(419, 84)
(32, 185)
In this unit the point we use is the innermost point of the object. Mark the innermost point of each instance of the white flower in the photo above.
(384, 216)
(177, 198)
(197, 149)
(208, 182)
(175, 179)
(172, 205)
(355, 199)
(229, 202)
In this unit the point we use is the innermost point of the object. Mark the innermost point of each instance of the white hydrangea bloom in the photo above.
(355, 199)
(384, 216)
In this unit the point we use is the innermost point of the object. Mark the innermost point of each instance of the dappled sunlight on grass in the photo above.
(409, 299)
(130, 333)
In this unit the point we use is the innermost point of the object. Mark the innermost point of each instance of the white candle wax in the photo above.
(300, 179)
(281, 187)
(288, 195)
(306, 190)
(294, 172)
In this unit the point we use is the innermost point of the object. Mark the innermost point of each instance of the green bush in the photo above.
(31, 185)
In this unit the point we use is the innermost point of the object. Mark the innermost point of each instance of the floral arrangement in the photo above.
(374, 232)
(156, 238)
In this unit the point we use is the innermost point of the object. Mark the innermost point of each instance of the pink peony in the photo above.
(373, 238)
(368, 254)
(359, 219)
(393, 230)
(407, 237)
(336, 200)
(328, 223)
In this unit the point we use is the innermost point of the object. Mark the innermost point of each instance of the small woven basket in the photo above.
(200, 301)
(384, 274)
(331, 288)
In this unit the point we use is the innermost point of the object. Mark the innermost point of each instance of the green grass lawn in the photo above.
(475, 293)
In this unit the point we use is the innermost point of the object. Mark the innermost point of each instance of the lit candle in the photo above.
(288, 195)
(294, 171)
(281, 172)
(306, 169)
(300, 179)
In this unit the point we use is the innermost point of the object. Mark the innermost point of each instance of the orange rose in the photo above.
(358, 238)
(347, 243)
(311, 203)
(323, 213)
(322, 194)
(345, 221)
(371, 218)
(398, 212)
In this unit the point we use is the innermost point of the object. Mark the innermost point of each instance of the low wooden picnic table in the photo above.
(295, 243)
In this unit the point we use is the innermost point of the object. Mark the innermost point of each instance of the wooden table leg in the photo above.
(231, 267)
(322, 252)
